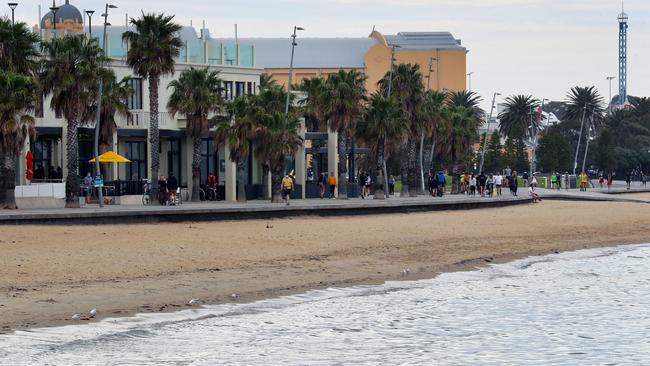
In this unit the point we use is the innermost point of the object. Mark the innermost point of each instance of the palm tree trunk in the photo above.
(343, 164)
(431, 155)
(154, 133)
(276, 181)
(196, 168)
(265, 181)
(404, 167)
(72, 185)
(241, 184)
(380, 185)
(413, 169)
(8, 182)
(421, 164)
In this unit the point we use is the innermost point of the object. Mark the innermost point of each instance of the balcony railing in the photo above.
(141, 120)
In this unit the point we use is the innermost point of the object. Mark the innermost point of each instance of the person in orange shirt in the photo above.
(332, 183)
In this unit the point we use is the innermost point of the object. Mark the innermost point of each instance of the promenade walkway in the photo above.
(208, 211)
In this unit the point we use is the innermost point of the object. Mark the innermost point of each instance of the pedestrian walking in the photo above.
(287, 188)
(332, 183)
(472, 186)
(362, 184)
(162, 190)
(498, 182)
(601, 181)
(172, 186)
(391, 185)
(525, 178)
(584, 179)
(513, 184)
(610, 180)
(628, 179)
(88, 187)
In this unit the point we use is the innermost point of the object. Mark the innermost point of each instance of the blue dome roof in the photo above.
(65, 12)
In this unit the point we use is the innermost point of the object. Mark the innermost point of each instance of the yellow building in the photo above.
(439, 55)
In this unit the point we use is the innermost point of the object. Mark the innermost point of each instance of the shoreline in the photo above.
(165, 276)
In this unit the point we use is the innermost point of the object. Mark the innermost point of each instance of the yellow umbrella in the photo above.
(111, 157)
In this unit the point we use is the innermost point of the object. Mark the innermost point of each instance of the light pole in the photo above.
(100, 194)
(494, 98)
(582, 123)
(13, 7)
(90, 22)
(609, 102)
(469, 75)
(591, 125)
(390, 73)
(54, 9)
(293, 47)
(535, 132)
(431, 59)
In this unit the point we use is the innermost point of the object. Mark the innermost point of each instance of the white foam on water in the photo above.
(579, 308)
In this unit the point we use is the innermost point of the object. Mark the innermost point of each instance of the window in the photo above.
(174, 159)
(208, 159)
(249, 88)
(42, 153)
(86, 152)
(227, 87)
(239, 88)
(136, 151)
(135, 99)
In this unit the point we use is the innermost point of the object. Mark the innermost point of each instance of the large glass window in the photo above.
(208, 159)
(42, 154)
(174, 159)
(227, 90)
(86, 148)
(135, 99)
(136, 151)
(240, 88)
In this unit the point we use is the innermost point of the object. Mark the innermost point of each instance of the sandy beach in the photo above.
(48, 273)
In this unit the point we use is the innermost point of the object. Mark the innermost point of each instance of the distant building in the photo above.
(439, 54)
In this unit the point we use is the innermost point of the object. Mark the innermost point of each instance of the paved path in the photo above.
(207, 211)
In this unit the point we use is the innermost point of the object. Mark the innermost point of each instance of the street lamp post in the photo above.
(469, 75)
(13, 7)
(589, 128)
(494, 98)
(390, 73)
(535, 132)
(293, 47)
(430, 71)
(100, 194)
(54, 9)
(582, 123)
(90, 22)
(609, 102)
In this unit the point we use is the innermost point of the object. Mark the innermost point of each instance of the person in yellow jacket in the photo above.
(332, 183)
(583, 181)
(287, 188)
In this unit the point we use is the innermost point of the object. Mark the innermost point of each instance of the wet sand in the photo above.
(48, 273)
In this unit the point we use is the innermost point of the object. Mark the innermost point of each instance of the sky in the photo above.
(536, 47)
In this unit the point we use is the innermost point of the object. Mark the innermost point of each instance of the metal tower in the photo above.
(622, 58)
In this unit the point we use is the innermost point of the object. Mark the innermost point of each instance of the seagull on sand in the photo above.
(406, 271)
(92, 312)
(194, 302)
(234, 296)
(76, 317)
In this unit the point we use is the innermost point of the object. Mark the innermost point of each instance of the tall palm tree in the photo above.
(641, 106)
(152, 48)
(433, 127)
(345, 93)
(407, 88)
(18, 47)
(517, 117)
(382, 126)
(314, 108)
(70, 72)
(280, 133)
(467, 99)
(115, 95)
(236, 132)
(463, 130)
(587, 101)
(267, 82)
(196, 94)
(17, 96)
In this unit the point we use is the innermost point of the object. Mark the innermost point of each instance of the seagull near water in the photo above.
(76, 317)
(234, 296)
(194, 302)
(92, 312)
(406, 271)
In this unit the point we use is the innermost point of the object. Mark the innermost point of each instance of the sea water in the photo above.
(590, 307)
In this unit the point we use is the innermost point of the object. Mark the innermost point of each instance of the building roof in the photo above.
(309, 53)
(65, 12)
(424, 41)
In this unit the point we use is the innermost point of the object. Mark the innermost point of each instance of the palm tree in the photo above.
(17, 93)
(70, 74)
(236, 132)
(267, 82)
(345, 94)
(467, 99)
(314, 108)
(381, 127)
(517, 117)
(463, 130)
(641, 106)
(280, 133)
(587, 101)
(152, 48)
(18, 48)
(433, 127)
(408, 89)
(196, 94)
(115, 96)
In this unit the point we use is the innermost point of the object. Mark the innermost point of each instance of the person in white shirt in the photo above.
(533, 181)
(532, 192)
(498, 182)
